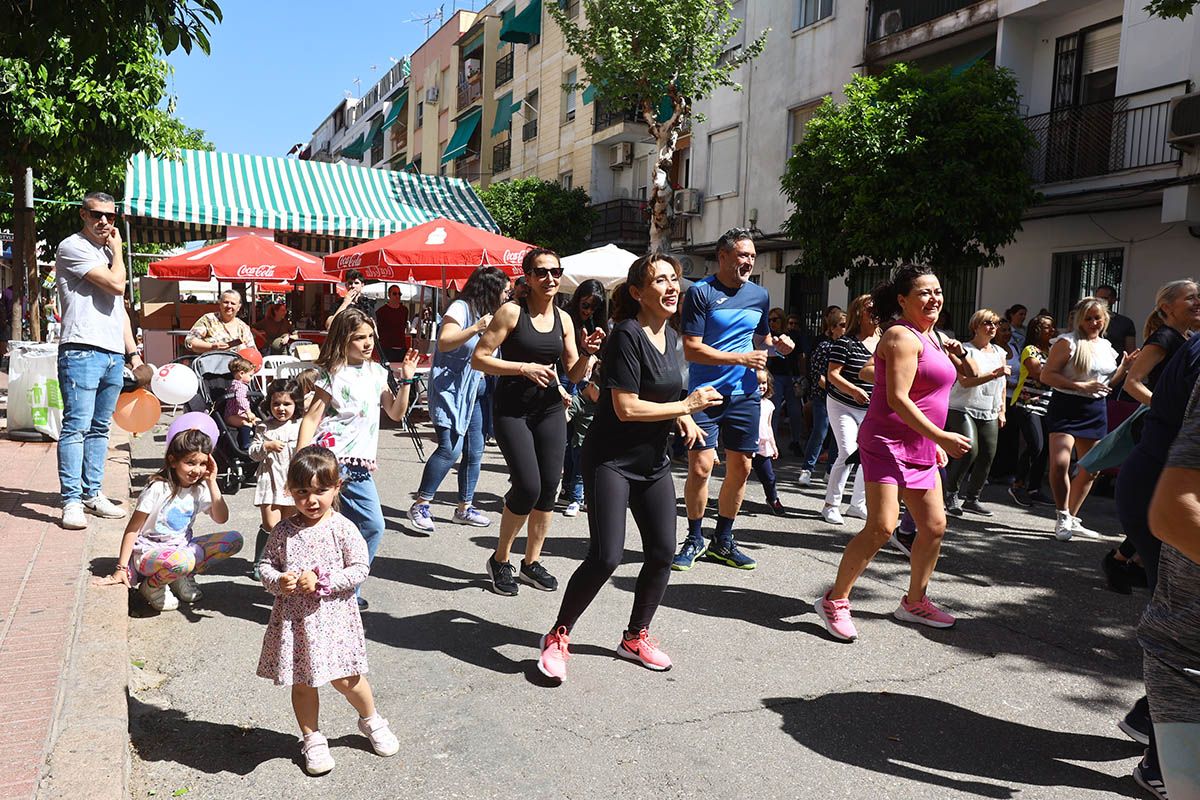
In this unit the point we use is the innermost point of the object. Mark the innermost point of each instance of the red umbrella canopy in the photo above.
(437, 250)
(247, 258)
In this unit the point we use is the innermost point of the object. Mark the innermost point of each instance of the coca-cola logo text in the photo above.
(349, 261)
(262, 271)
(514, 256)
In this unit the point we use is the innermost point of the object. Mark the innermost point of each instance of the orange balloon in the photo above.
(137, 411)
(252, 355)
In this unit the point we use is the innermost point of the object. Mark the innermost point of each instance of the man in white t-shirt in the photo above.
(95, 341)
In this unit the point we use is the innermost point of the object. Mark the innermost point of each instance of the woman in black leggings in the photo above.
(625, 462)
(531, 428)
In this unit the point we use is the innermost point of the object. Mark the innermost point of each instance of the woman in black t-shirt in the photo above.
(1176, 314)
(625, 462)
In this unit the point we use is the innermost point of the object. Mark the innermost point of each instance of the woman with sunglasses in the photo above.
(532, 335)
(588, 310)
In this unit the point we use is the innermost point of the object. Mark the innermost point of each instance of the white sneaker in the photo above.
(1077, 527)
(185, 589)
(383, 741)
(1062, 527)
(73, 518)
(158, 597)
(317, 758)
(831, 515)
(805, 478)
(572, 509)
(101, 506)
(419, 516)
(856, 512)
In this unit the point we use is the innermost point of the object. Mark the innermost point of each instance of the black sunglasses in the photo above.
(547, 272)
(99, 215)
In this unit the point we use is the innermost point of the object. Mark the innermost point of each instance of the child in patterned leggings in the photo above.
(158, 548)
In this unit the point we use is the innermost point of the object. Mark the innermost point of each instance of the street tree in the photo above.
(83, 87)
(1168, 9)
(914, 166)
(658, 57)
(542, 213)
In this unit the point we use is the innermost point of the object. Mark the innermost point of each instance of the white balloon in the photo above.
(174, 384)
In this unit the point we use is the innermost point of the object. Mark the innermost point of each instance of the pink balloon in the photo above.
(193, 420)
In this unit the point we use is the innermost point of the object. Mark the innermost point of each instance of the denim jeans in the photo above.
(784, 397)
(360, 505)
(90, 381)
(573, 473)
(450, 446)
(816, 437)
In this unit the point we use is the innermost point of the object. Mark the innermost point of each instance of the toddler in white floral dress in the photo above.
(312, 563)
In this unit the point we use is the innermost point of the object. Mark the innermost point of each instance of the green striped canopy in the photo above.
(199, 193)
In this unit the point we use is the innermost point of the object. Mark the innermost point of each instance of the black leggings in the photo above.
(766, 476)
(533, 448)
(1031, 468)
(608, 494)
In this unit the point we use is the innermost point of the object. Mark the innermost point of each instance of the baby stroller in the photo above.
(234, 465)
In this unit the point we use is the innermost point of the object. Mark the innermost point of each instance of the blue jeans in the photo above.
(785, 398)
(450, 446)
(360, 505)
(816, 437)
(90, 382)
(573, 473)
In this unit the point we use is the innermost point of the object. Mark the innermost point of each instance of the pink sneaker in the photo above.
(835, 615)
(553, 661)
(644, 650)
(923, 613)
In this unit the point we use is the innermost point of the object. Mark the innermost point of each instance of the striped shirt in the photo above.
(1030, 394)
(818, 363)
(853, 355)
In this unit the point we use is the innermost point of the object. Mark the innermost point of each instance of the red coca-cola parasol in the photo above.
(440, 250)
(247, 258)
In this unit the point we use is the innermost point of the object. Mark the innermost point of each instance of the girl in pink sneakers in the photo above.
(312, 563)
(902, 444)
(625, 464)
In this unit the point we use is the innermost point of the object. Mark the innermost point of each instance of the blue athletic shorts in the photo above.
(737, 422)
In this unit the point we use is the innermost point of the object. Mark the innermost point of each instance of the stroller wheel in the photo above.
(230, 479)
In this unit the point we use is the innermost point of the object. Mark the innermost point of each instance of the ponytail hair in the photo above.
(624, 306)
(886, 295)
(1167, 293)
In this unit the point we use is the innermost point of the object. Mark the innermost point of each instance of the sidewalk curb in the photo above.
(89, 751)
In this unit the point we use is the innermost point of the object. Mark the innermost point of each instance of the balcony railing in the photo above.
(469, 168)
(628, 222)
(502, 156)
(606, 118)
(504, 69)
(1098, 139)
(468, 93)
(529, 130)
(892, 16)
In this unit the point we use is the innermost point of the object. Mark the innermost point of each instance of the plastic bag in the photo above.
(34, 398)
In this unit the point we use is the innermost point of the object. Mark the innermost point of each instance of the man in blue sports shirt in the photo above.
(725, 339)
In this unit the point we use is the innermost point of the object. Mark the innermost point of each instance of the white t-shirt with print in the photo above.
(350, 427)
(169, 518)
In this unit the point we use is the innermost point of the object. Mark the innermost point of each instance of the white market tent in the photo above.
(608, 264)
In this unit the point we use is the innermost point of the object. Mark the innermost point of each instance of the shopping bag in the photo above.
(34, 398)
(1113, 449)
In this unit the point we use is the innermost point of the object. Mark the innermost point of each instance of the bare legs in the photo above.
(306, 702)
(733, 488)
(1069, 493)
(511, 524)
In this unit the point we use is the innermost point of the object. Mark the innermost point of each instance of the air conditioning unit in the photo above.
(431, 95)
(686, 202)
(1183, 126)
(620, 155)
(889, 22)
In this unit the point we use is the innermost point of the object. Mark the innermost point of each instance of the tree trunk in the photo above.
(661, 192)
(26, 282)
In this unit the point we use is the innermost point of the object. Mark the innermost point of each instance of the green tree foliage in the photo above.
(541, 213)
(913, 166)
(652, 54)
(1168, 9)
(30, 26)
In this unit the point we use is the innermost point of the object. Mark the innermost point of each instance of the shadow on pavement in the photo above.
(427, 574)
(880, 732)
(23, 504)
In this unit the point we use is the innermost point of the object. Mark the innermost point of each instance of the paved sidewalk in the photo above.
(43, 579)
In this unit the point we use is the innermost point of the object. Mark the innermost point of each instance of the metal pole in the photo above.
(129, 262)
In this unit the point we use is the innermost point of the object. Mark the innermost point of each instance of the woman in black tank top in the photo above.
(523, 346)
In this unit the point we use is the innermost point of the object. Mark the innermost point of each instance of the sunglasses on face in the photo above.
(97, 216)
(547, 272)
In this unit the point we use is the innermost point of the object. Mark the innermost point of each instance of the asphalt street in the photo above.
(1020, 699)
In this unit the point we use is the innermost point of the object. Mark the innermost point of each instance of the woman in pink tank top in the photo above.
(902, 444)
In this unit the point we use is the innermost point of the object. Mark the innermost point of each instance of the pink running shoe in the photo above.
(553, 661)
(923, 613)
(835, 615)
(645, 650)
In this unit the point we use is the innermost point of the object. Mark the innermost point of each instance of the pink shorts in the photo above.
(886, 468)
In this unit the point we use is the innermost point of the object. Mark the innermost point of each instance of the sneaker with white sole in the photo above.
(954, 505)
(1078, 529)
(835, 616)
(317, 758)
(101, 506)
(185, 589)
(831, 515)
(1062, 527)
(644, 650)
(537, 576)
(157, 597)
(903, 541)
(805, 478)
(923, 613)
(1149, 777)
(471, 516)
(572, 509)
(383, 741)
(555, 651)
(419, 516)
(73, 518)
(858, 512)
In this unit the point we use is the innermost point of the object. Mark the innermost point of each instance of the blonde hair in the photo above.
(1081, 362)
(1167, 293)
(981, 316)
(858, 311)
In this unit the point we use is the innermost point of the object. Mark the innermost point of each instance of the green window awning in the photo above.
(505, 107)
(524, 26)
(506, 18)
(196, 194)
(376, 125)
(457, 146)
(589, 94)
(356, 148)
(393, 116)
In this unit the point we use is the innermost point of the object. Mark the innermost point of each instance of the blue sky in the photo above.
(277, 68)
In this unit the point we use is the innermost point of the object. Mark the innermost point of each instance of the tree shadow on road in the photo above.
(427, 574)
(919, 739)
